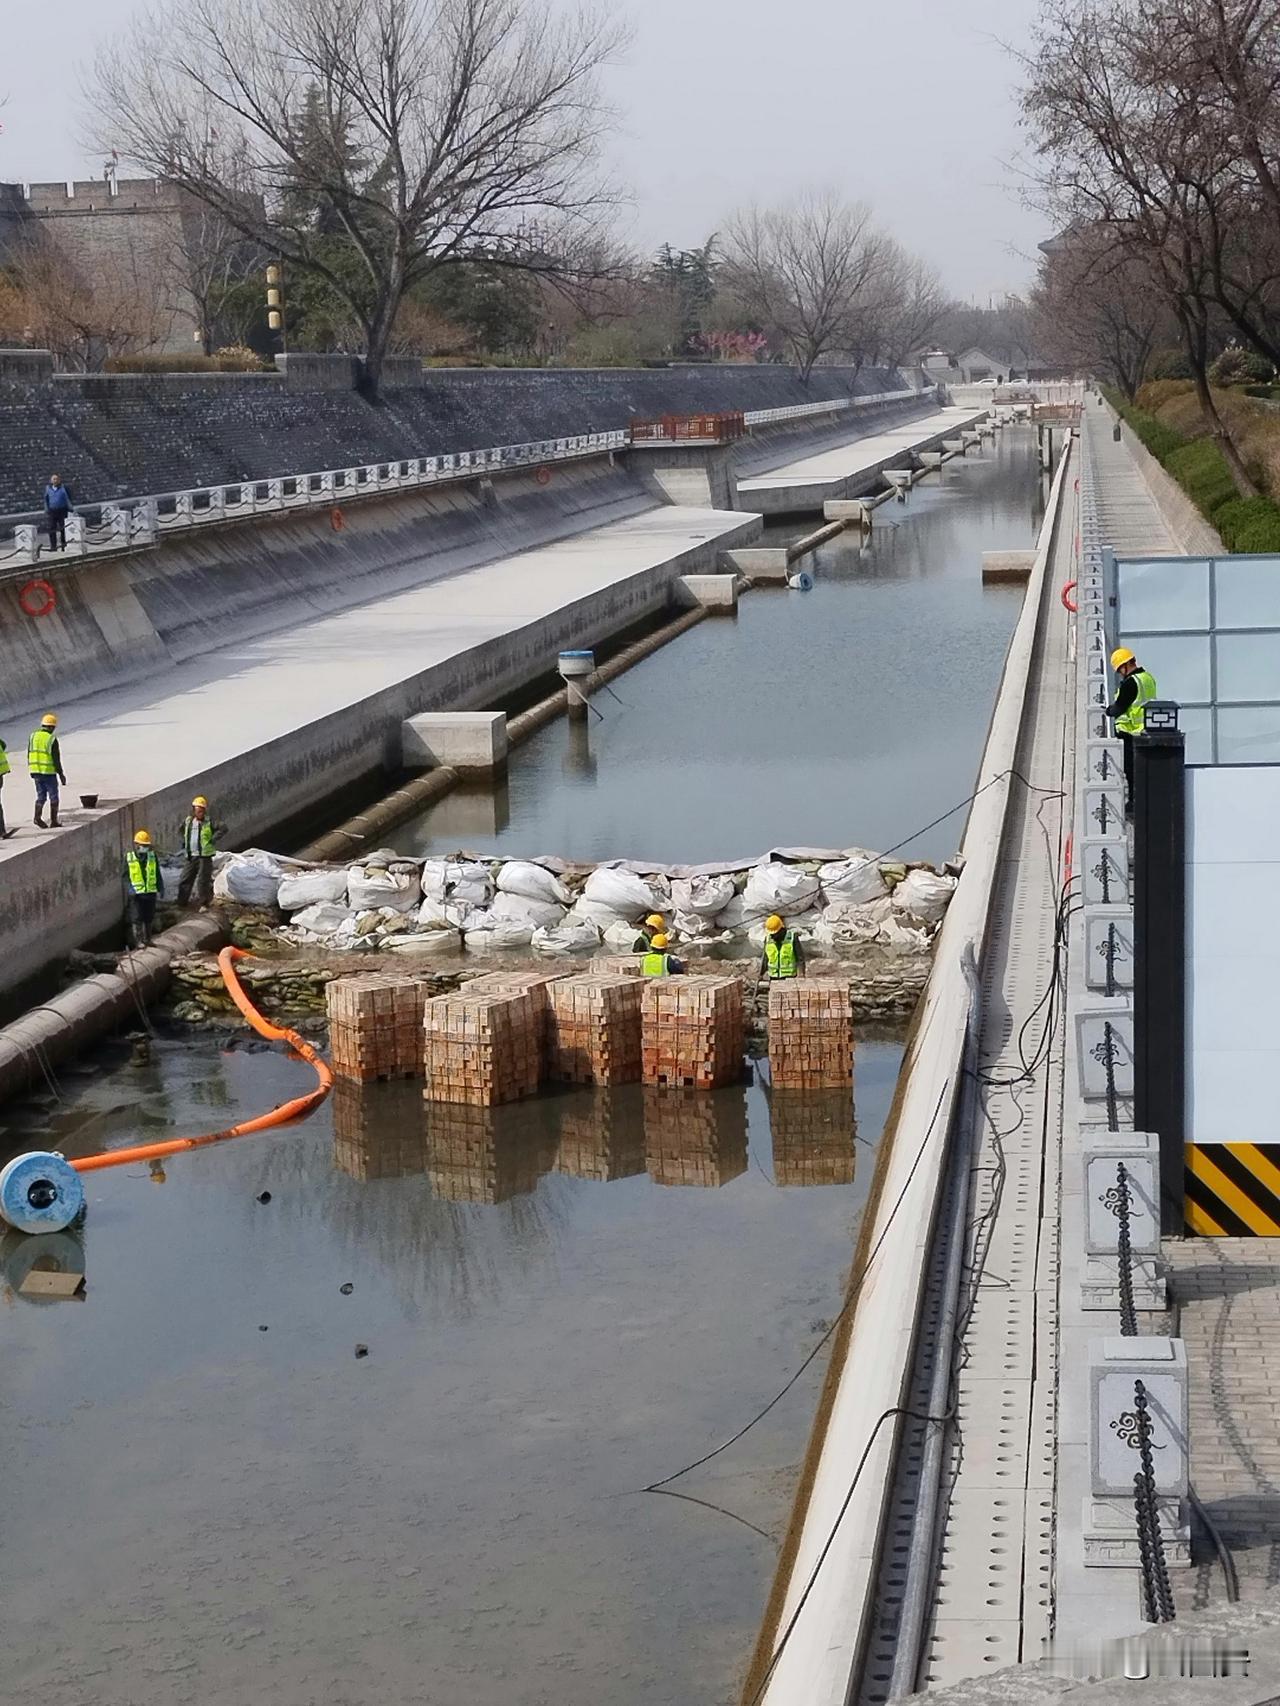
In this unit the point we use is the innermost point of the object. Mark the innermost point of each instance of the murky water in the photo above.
(849, 715)
(209, 1498)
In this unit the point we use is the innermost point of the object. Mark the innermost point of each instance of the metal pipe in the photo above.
(917, 1586)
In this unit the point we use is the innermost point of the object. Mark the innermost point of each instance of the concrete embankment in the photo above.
(271, 727)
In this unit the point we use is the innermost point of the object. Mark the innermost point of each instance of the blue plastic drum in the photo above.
(801, 581)
(40, 1192)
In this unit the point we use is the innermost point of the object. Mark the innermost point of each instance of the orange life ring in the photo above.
(1069, 587)
(37, 598)
(336, 519)
(543, 476)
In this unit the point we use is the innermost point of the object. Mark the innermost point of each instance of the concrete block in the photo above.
(1100, 1285)
(1007, 565)
(712, 592)
(1104, 870)
(1111, 1535)
(1104, 1151)
(464, 740)
(1114, 1365)
(1102, 1022)
(1102, 810)
(1104, 761)
(758, 563)
(931, 458)
(845, 509)
(1108, 935)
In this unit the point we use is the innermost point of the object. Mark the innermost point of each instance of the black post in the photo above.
(1160, 949)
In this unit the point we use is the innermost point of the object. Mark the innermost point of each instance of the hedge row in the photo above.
(1244, 524)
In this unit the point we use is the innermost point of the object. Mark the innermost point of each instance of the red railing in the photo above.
(686, 429)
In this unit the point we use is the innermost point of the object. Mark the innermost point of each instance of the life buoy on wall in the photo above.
(336, 519)
(37, 598)
(543, 476)
(1069, 603)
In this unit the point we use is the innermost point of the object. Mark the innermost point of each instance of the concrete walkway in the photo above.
(271, 726)
(848, 470)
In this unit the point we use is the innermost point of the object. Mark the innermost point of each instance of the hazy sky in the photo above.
(908, 104)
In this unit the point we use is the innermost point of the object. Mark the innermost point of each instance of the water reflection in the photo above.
(379, 1130)
(579, 760)
(814, 1137)
(602, 1134)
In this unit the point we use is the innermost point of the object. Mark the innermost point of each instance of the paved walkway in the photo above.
(845, 470)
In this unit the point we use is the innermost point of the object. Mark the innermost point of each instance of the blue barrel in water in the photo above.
(40, 1192)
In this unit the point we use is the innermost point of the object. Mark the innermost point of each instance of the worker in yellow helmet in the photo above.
(4, 771)
(144, 885)
(658, 962)
(199, 844)
(44, 761)
(1135, 686)
(654, 925)
(783, 956)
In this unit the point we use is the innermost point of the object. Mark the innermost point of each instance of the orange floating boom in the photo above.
(285, 1114)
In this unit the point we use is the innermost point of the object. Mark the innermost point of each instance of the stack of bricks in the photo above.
(378, 1130)
(483, 1155)
(811, 1033)
(814, 1138)
(375, 1026)
(535, 984)
(692, 1139)
(601, 1134)
(595, 1029)
(618, 965)
(481, 1049)
(694, 1032)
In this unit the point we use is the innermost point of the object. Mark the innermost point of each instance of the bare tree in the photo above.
(812, 274)
(384, 138)
(1097, 310)
(1129, 152)
(123, 310)
(911, 302)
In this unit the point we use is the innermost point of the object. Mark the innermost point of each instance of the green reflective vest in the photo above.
(208, 846)
(40, 753)
(4, 760)
(655, 965)
(144, 872)
(1134, 720)
(780, 955)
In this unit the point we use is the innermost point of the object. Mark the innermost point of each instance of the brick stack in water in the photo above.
(535, 984)
(814, 1138)
(378, 1130)
(693, 1139)
(811, 1033)
(481, 1049)
(693, 1032)
(601, 1134)
(484, 1155)
(375, 1025)
(595, 1029)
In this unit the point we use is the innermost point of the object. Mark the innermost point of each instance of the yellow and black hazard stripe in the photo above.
(1233, 1190)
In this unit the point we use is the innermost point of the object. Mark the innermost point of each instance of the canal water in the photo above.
(358, 1411)
(211, 1498)
(845, 716)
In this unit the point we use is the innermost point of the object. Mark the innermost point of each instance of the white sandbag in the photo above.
(368, 889)
(461, 880)
(623, 892)
(518, 876)
(442, 914)
(253, 878)
(867, 915)
(852, 881)
(499, 936)
(735, 916)
(904, 940)
(307, 888)
(691, 926)
(924, 895)
(519, 909)
(707, 896)
(322, 919)
(592, 912)
(426, 944)
(785, 889)
(620, 936)
(564, 939)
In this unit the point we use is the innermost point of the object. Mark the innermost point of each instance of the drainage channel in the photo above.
(558, 1303)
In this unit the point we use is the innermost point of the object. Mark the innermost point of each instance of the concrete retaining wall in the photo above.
(116, 620)
(122, 435)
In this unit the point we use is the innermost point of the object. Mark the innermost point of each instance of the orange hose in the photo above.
(297, 1109)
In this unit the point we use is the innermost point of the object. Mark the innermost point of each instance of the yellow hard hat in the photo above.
(142, 838)
(1122, 655)
(773, 922)
(655, 921)
(659, 941)
(199, 800)
(48, 721)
